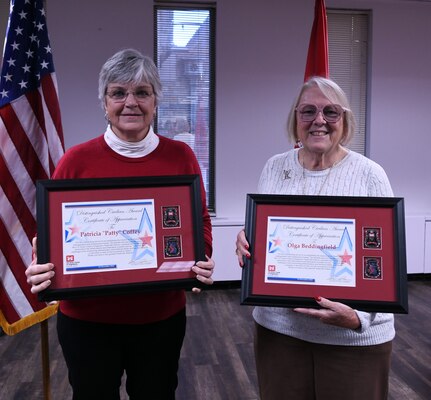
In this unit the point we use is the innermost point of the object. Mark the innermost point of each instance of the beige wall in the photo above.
(261, 50)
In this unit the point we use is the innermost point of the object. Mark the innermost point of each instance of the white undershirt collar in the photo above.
(132, 149)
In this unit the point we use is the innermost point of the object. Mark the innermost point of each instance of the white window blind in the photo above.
(348, 64)
(184, 53)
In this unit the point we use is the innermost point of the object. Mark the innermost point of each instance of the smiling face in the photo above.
(131, 117)
(319, 136)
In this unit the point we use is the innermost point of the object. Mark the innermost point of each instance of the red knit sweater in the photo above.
(95, 159)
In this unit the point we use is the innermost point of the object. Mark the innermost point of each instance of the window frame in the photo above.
(210, 7)
(352, 71)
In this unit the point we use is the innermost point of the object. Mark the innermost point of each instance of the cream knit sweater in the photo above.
(355, 175)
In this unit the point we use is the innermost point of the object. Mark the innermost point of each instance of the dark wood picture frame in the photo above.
(178, 238)
(380, 261)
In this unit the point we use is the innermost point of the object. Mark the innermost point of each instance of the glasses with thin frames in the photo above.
(119, 95)
(309, 112)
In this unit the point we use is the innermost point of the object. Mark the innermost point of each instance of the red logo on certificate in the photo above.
(70, 258)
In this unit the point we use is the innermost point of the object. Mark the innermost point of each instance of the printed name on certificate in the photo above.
(108, 235)
(310, 251)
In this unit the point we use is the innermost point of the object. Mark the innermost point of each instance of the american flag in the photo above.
(31, 144)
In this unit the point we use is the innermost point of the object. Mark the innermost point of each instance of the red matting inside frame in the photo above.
(383, 289)
(165, 196)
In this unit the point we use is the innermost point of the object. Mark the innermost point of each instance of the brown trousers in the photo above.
(289, 368)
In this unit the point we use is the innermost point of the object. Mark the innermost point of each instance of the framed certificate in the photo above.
(348, 249)
(119, 235)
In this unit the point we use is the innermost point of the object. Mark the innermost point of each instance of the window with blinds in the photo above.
(184, 53)
(348, 64)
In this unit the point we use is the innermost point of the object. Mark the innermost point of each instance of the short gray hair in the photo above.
(335, 95)
(129, 66)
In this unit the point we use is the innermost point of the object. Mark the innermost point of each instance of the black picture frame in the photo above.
(380, 252)
(176, 196)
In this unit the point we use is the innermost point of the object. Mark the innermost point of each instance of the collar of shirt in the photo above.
(132, 149)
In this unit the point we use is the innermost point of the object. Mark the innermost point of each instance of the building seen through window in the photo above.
(184, 55)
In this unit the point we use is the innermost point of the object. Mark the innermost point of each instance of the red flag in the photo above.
(317, 59)
(31, 144)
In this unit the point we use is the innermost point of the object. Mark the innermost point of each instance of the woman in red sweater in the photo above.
(140, 334)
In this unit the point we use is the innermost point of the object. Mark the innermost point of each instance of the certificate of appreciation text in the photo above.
(310, 251)
(108, 235)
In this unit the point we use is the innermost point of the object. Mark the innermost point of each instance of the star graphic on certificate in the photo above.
(345, 258)
(73, 228)
(142, 241)
(339, 266)
(275, 241)
(146, 239)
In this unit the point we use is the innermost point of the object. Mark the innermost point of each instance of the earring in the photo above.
(298, 144)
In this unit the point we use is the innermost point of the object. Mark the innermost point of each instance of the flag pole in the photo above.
(44, 339)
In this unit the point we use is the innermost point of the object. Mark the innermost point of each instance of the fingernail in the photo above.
(246, 246)
(248, 255)
(318, 298)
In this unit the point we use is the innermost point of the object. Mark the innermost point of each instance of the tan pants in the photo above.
(289, 368)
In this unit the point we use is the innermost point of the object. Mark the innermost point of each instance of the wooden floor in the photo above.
(217, 358)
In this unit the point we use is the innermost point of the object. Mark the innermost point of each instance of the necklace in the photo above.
(305, 180)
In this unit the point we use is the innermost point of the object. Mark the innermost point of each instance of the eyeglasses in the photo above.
(120, 95)
(331, 112)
